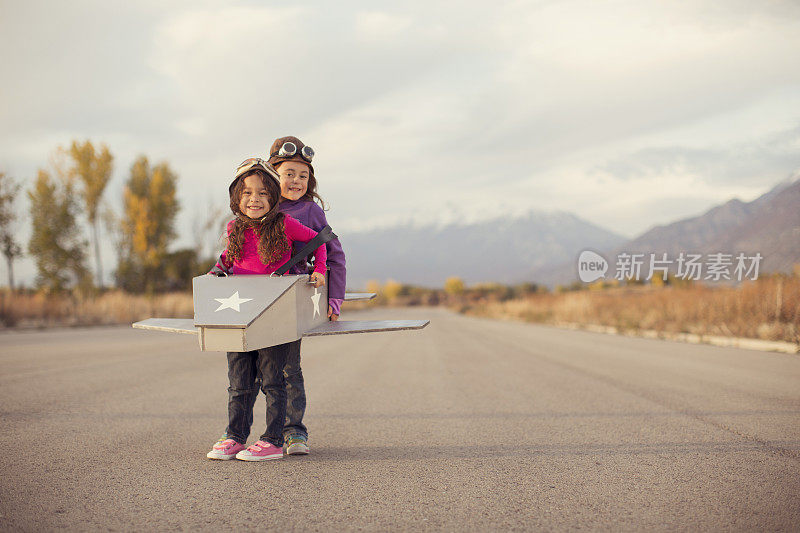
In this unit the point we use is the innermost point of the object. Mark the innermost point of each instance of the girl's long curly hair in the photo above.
(270, 228)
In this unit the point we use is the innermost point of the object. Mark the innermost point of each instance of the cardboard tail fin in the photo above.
(354, 296)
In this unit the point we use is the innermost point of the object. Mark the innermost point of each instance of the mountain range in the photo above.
(543, 247)
(769, 225)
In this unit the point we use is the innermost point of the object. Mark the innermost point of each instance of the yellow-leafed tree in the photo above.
(392, 290)
(147, 227)
(93, 169)
(55, 241)
(454, 286)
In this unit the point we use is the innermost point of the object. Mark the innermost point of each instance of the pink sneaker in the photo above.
(260, 451)
(225, 449)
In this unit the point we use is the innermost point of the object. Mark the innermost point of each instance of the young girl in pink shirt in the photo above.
(259, 242)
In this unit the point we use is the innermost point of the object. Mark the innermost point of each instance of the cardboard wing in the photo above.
(243, 313)
(364, 326)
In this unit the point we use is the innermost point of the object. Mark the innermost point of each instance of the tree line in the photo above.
(66, 204)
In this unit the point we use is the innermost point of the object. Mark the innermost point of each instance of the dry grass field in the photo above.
(767, 309)
(32, 310)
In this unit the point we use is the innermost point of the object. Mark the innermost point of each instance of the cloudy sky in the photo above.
(625, 113)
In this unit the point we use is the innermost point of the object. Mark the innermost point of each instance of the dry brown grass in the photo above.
(113, 307)
(766, 309)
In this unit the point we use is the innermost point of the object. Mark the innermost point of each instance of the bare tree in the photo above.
(8, 243)
(206, 230)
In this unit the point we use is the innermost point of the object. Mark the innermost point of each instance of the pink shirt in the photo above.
(250, 262)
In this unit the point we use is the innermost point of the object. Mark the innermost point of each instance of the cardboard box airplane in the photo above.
(244, 313)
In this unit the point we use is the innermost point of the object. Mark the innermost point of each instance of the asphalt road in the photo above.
(465, 425)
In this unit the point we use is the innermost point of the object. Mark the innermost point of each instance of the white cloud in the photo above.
(378, 26)
(420, 105)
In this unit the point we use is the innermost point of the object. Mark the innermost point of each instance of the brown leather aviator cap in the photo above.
(275, 159)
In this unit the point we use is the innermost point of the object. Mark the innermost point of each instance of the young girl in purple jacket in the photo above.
(291, 158)
(259, 241)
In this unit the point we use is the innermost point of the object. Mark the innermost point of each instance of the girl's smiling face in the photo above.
(254, 202)
(294, 179)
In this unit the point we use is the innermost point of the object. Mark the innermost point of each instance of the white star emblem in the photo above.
(315, 301)
(232, 302)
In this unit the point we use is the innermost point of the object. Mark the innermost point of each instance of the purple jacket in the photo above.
(311, 215)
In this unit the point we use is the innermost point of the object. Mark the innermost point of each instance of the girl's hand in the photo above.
(333, 317)
(318, 279)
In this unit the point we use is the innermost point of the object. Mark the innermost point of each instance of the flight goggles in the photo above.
(255, 162)
(289, 149)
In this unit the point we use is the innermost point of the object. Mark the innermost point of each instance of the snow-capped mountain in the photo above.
(510, 249)
(543, 247)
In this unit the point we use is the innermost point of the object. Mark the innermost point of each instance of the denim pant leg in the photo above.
(295, 393)
(251, 401)
(271, 362)
(241, 375)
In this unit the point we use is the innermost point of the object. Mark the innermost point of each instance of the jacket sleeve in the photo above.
(336, 260)
(298, 232)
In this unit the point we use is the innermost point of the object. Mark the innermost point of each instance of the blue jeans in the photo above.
(295, 393)
(243, 368)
